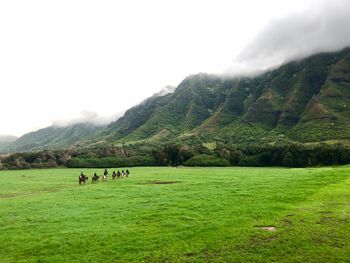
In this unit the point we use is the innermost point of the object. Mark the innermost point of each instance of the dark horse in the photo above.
(82, 179)
(95, 178)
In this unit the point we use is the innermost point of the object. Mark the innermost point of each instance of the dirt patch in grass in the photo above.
(159, 182)
(325, 212)
(325, 220)
(11, 195)
(267, 228)
(287, 222)
(36, 192)
(105, 197)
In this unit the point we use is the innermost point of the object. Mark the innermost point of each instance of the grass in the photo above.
(176, 215)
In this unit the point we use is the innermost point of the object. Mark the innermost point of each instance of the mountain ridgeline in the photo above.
(302, 101)
(6, 140)
(52, 138)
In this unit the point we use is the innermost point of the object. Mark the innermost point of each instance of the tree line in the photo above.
(174, 154)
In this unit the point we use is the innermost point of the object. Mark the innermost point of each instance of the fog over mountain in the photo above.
(88, 117)
(91, 117)
(7, 138)
(113, 56)
(164, 91)
(323, 27)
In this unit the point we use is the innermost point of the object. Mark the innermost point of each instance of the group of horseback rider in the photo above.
(95, 178)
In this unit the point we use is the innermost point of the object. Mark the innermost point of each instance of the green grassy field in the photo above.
(176, 215)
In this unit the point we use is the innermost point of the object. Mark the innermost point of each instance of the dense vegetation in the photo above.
(176, 215)
(292, 155)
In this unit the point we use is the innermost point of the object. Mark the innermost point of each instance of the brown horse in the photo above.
(82, 179)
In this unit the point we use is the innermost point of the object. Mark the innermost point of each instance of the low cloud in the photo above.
(323, 27)
(164, 91)
(88, 117)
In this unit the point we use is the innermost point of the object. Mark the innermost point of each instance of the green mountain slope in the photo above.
(53, 138)
(304, 101)
(6, 140)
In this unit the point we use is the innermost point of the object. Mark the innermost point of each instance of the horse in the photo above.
(83, 179)
(104, 178)
(95, 178)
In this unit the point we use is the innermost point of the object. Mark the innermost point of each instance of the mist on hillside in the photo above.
(88, 117)
(7, 138)
(164, 91)
(324, 27)
(93, 118)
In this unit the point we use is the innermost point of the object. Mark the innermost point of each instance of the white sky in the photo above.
(61, 58)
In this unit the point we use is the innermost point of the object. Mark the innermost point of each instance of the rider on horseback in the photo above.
(82, 178)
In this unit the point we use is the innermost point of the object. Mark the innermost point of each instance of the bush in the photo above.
(50, 164)
(251, 160)
(206, 160)
(110, 162)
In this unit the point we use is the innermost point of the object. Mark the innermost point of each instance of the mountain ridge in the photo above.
(292, 100)
(52, 137)
(302, 101)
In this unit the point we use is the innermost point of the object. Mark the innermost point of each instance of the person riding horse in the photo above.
(118, 174)
(114, 175)
(95, 178)
(82, 178)
(104, 177)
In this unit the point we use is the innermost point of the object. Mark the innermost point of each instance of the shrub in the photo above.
(110, 162)
(251, 160)
(206, 160)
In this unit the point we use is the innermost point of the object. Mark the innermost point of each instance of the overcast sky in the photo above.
(60, 60)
